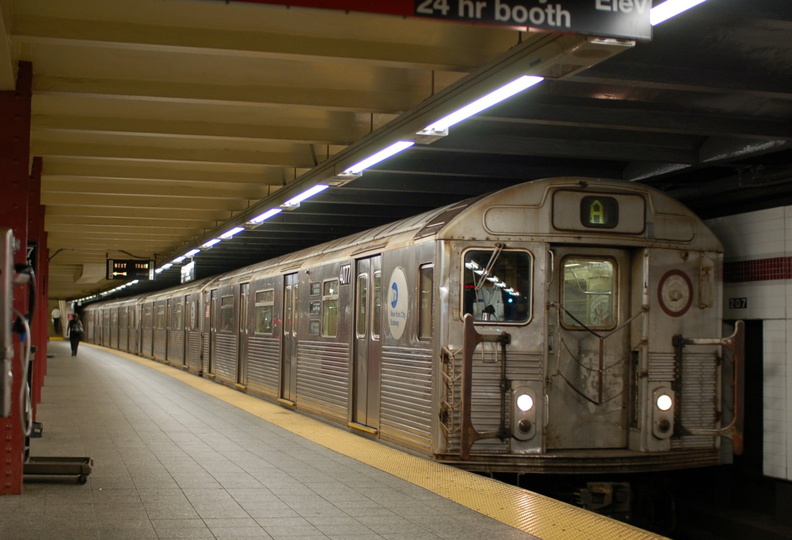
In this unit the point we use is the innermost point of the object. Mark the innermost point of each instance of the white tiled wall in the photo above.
(759, 235)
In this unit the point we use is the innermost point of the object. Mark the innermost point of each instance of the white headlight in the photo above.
(525, 402)
(664, 402)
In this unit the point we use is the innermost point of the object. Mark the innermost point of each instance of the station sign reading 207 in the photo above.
(607, 18)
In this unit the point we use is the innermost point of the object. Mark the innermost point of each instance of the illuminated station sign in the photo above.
(129, 269)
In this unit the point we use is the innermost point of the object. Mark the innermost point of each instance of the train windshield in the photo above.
(497, 285)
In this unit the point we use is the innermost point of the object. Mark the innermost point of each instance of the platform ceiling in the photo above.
(162, 123)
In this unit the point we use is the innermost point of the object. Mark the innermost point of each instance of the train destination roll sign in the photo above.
(628, 19)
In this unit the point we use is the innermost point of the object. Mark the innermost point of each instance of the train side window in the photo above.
(227, 314)
(425, 300)
(361, 306)
(330, 308)
(497, 285)
(264, 308)
(160, 321)
(376, 312)
(177, 323)
(589, 292)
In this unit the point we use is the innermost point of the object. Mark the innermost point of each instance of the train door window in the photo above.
(330, 308)
(227, 314)
(288, 318)
(376, 315)
(497, 285)
(425, 296)
(265, 307)
(361, 306)
(589, 292)
(177, 323)
(193, 324)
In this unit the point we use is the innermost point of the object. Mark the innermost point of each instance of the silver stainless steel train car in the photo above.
(558, 326)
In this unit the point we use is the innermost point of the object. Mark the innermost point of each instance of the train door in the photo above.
(288, 368)
(212, 331)
(244, 334)
(368, 348)
(588, 348)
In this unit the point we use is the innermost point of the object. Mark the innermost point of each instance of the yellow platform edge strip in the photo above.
(529, 512)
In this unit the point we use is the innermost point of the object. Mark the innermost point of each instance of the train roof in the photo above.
(529, 209)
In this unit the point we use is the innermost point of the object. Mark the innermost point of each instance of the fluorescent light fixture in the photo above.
(382, 155)
(228, 234)
(178, 260)
(192, 253)
(475, 107)
(211, 243)
(669, 9)
(294, 202)
(266, 215)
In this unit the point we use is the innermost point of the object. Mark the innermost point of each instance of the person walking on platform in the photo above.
(56, 322)
(75, 332)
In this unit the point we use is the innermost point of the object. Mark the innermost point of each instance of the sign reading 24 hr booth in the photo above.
(397, 303)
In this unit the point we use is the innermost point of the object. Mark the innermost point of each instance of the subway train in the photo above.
(564, 325)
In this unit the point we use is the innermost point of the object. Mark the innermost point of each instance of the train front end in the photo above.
(581, 331)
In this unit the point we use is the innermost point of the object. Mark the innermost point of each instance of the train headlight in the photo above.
(663, 412)
(664, 402)
(525, 402)
(523, 425)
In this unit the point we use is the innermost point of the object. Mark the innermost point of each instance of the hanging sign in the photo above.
(129, 269)
(605, 18)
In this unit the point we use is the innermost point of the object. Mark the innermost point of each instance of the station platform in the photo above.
(178, 456)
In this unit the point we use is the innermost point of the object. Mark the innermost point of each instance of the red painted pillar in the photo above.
(15, 181)
(37, 242)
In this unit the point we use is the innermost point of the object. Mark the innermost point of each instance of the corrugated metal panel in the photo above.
(323, 378)
(487, 398)
(206, 351)
(123, 329)
(263, 364)
(698, 400)
(160, 337)
(406, 398)
(225, 357)
(194, 351)
(176, 347)
(661, 367)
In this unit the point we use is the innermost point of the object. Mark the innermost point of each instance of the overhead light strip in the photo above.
(669, 9)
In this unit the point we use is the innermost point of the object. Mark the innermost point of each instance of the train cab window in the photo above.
(330, 308)
(177, 322)
(376, 314)
(497, 285)
(265, 307)
(425, 298)
(361, 306)
(227, 314)
(589, 291)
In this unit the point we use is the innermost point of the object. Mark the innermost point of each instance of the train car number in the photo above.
(738, 303)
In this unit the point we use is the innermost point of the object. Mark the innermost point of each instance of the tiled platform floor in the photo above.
(172, 462)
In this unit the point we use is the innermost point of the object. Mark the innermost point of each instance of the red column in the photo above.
(37, 238)
(15, 181)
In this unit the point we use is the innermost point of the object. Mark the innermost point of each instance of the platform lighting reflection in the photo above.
(504, 92)
(307, 194)
(669, 9)
(229, 234)
(382, 155)
(265, 216)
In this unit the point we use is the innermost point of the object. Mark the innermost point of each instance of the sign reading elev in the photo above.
(606, 18)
